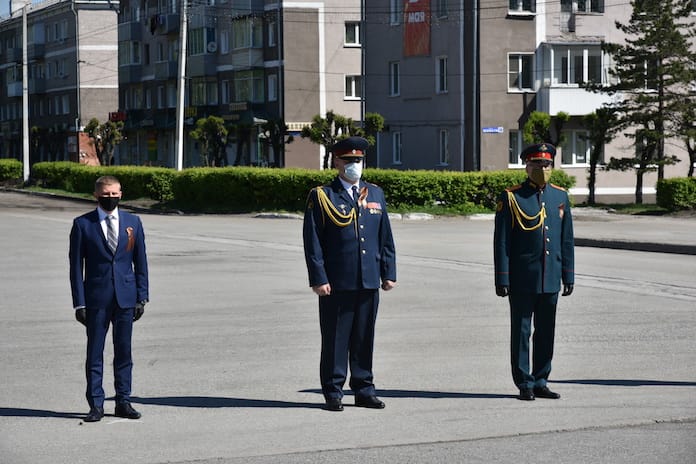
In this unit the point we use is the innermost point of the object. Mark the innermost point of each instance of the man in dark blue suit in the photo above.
(533, 253)
(109, 282)
(350, 254)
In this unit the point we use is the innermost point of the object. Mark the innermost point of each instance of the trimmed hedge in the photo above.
(247, 189)
(678, 193)
(11, 169)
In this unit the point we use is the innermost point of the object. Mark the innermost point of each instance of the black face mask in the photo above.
(108, 203)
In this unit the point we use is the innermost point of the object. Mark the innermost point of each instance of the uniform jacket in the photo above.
(358, 253)
(534, 261)
(97, 275)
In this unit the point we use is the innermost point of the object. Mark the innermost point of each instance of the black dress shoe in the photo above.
(334, 404)
(526, 394)
(126, 411)
(95, 414)
(369, 402)
(544, 392)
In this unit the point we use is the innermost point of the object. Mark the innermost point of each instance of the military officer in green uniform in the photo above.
(533, 253)
(349, 250)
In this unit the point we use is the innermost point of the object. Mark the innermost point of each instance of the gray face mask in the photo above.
(353, 171)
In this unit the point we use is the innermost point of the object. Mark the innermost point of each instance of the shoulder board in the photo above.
(513, 188)
(557, 186)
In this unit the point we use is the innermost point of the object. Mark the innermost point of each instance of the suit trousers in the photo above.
(526, 309)
(347, 321)
(98, 320)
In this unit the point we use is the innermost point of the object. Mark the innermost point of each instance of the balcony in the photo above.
(130, 31)
(202, 65)
(572, 100)
(130, 73)
(166, 70)
(13, 55)
(36, 51)
(248, 58)
(166, 24)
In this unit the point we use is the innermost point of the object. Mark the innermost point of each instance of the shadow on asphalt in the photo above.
(22, 412)
(628, 382)
(219, 402)
(425, 394)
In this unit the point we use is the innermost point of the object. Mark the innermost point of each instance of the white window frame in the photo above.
(272, 33)
(518, 6)
(574, 142)
(441, 75)
(396, 147)
(272, 82)
(354, 27)
(443, 147)
(515, 146)
(519, 72)
(353, 87)
(394, 79)
(395, 12)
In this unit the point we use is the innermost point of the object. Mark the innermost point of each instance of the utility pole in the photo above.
(181, 89)
(25, 96)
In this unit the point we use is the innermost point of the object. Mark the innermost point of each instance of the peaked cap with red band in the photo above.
(540, 151)
(351, 147)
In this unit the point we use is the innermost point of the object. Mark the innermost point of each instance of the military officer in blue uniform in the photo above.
(533, 253)
(350, 254)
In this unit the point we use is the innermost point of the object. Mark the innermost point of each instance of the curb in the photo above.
(636, 246)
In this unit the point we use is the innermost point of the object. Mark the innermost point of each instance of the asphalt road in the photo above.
(226, 356)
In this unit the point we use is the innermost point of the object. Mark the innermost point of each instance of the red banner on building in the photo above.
(416, 27)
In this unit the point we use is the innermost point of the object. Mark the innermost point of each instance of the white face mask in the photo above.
(353, 171)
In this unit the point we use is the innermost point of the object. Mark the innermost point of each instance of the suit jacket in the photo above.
(97, 275)
(349, 253)
(536, 260)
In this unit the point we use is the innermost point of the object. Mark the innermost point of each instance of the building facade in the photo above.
(456, 80)
(72, 76)
(248, 62)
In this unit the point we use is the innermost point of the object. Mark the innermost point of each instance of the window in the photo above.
(198, 92)
(225, 39)
(171, 95)
(520, 72)
(129, 53)
(272, 33)
(515, 146)
(161, 97)
(225, 96)
(199, 40)
(211, 90)
(444, 146)
(396, 147)
(575, 148)
(148, 99)
(352, 37)
(441, 75)
(353, 88)
(66, 104)
(272, 87)
(441, 8)
(522, 5)
(583, 6)
(248, 86)
(394, 84)
(576, 65)
(395, 12)
(651, 80)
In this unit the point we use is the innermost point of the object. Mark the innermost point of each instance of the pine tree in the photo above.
(651, 76)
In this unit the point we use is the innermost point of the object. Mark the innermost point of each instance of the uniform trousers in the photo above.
(98, 320)
(347, 322)
(539, 310)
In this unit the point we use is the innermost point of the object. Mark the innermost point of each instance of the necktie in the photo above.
(354, 189)
(111, 233)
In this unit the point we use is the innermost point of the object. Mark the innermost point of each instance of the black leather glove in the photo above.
(567, 289)
(81, 316)
(502, 290)
(139, 310)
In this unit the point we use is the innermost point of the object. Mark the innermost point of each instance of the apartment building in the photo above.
(72, 75)
(456, 81)
(248, 62)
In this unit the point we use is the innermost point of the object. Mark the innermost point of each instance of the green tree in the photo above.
(598, 125)
(650, 79)
(542, 127)
(277, 136)
(686, 122)
(211, 133)
(105, 136)
(327, 131)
